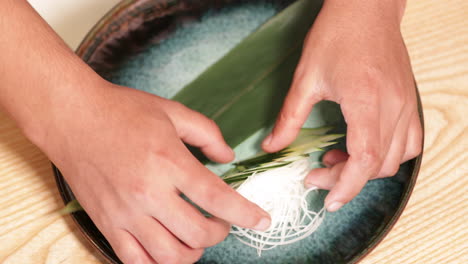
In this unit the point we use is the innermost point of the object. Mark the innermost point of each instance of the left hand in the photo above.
(355, 55)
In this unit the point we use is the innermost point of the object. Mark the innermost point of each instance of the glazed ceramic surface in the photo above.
(161, 46)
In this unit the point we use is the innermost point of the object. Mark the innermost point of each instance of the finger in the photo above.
(199, 131)
(363, 144)
(333, 157)
(296, 108)
(213, 195)
(161, 244)
(415, 138)
(190, 226)
(324, 178)
(128, 249)
(397, 148)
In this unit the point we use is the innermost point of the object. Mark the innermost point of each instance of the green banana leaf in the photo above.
(243, 92)
(309, 140)
(71, 207)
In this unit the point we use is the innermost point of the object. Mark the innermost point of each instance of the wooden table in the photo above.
(432, 229)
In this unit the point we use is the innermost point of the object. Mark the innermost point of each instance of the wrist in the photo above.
(39, 73)
(390, 10)
(52, 100)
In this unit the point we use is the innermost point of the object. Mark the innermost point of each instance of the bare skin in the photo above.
(129, 176)
(120, 149)
(355, 55)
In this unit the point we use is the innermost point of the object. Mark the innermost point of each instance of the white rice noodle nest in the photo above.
(282, 194)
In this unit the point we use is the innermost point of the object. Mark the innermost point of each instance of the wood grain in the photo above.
(432, 229)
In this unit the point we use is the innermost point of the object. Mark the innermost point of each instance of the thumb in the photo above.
(199, 131)
(296, 108)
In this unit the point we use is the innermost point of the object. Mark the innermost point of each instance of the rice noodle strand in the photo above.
(282, 194)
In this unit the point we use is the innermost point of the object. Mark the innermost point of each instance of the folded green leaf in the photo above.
(309, 140)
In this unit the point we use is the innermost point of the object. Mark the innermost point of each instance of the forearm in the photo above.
(37, 69)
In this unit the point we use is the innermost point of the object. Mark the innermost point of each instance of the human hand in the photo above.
(122, 152)
(355, 55)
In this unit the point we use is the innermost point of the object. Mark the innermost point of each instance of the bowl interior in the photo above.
(159, 47)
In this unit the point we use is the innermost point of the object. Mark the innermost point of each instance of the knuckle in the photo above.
(373, 78)
(398, 102)
(360, 106)
(365, 85)
(213, 126)
(169, 258)
(136, 260)
(349, 193)
(413, 153)
(164, 154)
(393, 170)
(370, 158)
(191, 257)
(414, 150)
(400, 97)
(211, 123)
(283, 116)
(195, 243)
(369, 79)
(200, 236)
(206, 192)
(389, 171)
(131, 256)
(305, 90)
(138, 189)
(166, 159)
(178, 106)
(372, 75)
(289, 118)
(209, 193)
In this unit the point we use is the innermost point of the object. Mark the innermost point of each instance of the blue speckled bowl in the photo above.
(160, 46)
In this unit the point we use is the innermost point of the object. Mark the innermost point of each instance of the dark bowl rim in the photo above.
(374, 242)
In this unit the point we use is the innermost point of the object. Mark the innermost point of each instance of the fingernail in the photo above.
(334, 206)
(267, 140)
(263, 224)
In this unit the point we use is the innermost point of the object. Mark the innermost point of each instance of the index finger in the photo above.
(211, 193)
(363, 144)
(297, 106)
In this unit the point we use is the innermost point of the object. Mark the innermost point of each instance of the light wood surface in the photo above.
(432, 229)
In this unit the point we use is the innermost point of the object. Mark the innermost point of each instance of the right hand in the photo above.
(355, 56)
(122, 152)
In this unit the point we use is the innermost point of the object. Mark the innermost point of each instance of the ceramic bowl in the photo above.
(160, 46)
